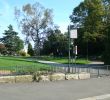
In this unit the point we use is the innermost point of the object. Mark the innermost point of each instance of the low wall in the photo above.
(57, 76)
(72, 76)
(84, 75)
(43, 78)
(16, 79)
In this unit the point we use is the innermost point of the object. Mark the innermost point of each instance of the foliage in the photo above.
(34, 20)
(11, 41)
(106, 56)
(88, 16)
(56, 44)
(2, 49)
(22, 53)
(30, 50)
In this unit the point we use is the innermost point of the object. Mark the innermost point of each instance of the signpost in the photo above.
(72, 34)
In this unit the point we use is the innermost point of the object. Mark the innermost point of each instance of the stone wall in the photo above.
(43, 78)
(57, 76)
(16, 79)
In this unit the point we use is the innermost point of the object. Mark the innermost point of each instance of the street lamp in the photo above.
(72, 34)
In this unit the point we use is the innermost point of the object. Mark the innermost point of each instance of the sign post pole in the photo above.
(72, 34)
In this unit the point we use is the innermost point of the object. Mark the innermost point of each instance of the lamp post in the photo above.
(72, 34)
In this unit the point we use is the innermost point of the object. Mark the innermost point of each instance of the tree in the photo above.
(2, 48)
(106, 55)
(34, 20)
(11, 41)
(30, 50)
(56, 44)
(88, 17)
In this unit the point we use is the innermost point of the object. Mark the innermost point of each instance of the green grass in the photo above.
(65, 60)
(19, 63)
(26, 64)
(77, 61)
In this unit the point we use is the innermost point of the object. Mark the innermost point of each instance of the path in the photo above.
(60, 90)
(97, 62)
(93, 63)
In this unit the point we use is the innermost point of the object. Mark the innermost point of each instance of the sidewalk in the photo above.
(97, 62)
(47, 62)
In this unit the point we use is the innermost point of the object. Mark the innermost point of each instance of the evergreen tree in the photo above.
(12, 42)
(30, 50)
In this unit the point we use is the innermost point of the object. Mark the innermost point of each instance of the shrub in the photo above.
(22, 53)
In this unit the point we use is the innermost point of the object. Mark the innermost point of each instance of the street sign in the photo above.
(75, 50)
(73, 33)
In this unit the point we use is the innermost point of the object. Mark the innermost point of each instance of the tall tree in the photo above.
(12, 42)
(30, 50)
(107, 31)
(88, 17)
(34, 20)
(56, 44)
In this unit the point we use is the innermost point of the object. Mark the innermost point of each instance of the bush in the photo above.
(22, 53)
(27, 55)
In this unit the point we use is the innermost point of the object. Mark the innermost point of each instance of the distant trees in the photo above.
(56, 44)
(34, 20)
(11, 41)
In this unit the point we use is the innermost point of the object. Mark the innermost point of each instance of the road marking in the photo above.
(101, 97)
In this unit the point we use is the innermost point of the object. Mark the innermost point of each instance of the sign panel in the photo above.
(75, 50)
(73, 33)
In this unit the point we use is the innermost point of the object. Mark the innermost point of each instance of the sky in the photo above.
(62, 9)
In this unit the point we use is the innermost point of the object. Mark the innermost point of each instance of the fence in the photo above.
(94, 70)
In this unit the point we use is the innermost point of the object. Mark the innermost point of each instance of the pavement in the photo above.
(47, 62)
(93, 63)
(94, 89)
(97, 62)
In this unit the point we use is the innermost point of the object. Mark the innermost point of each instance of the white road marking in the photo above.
(101, 97)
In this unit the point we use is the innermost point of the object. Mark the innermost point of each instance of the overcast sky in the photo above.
(61, 11)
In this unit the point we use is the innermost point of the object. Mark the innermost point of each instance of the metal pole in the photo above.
(68, 49)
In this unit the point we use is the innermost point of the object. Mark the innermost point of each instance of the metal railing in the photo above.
(94, 70)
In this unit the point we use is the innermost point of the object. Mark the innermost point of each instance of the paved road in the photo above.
(60, 90)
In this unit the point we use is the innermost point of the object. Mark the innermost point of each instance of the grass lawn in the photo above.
(14, 63)
(30, 64)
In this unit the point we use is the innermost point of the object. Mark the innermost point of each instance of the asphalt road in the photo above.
(60, 90)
